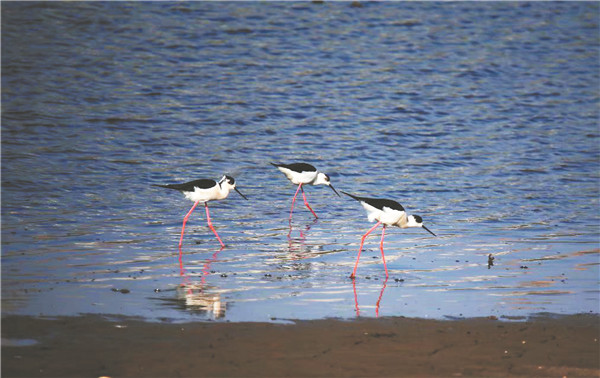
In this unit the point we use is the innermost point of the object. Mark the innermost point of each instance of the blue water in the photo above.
(480, 117)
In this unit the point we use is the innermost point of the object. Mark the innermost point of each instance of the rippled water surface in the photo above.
(480, 117)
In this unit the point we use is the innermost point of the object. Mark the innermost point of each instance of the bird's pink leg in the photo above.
(306, 203)
(362, 241)
(294, 200)
(183, 228)
(382, 255)
(181, 269)
(211, 226)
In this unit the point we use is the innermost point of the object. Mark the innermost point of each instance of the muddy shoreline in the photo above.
(93, 346)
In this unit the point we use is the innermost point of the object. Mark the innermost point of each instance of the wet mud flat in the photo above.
(95, 346)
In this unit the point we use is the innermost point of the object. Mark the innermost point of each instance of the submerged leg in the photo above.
(184, 222)
(211, 226)
(379, 299)
(362, 241)
(294, 200)
(382, 255)
(355, 299)
(306, 203)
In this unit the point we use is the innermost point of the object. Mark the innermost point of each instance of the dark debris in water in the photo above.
(122, 291)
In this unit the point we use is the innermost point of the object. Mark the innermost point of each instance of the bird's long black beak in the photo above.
(332, 188)
(429, 231)
(240, 193)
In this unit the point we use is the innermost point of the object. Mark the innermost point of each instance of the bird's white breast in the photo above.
(386, 216)
(204, 195)
(299, 177)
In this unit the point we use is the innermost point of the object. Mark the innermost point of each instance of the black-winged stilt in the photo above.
(204, 190)
(304, 174)
(388, 212)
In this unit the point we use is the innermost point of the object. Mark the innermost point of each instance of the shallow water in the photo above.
(481, 118)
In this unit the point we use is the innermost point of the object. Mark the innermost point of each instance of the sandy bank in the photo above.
(92, 346)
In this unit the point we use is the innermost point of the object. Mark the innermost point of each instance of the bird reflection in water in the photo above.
(378, 299)
(297, 245)
(197, 295)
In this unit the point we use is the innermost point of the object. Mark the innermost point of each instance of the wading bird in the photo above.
(304, 174)
(204, 190)
(388, 212)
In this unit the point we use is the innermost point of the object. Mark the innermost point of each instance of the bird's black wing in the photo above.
(297, 167)
(378, 203)
(189, 186)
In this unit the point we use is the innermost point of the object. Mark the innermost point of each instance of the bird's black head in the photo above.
(418, 219)
(230, 180)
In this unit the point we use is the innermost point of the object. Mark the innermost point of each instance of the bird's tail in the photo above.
(168, 186)
(351, 195)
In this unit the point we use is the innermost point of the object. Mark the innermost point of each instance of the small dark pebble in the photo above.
(399, 279)
(223, 275)
(524, 267)
(157, 290)
(267, 275)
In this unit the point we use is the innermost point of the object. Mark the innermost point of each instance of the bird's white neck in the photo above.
(412, 222)
(320, 179)
(223, 190)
